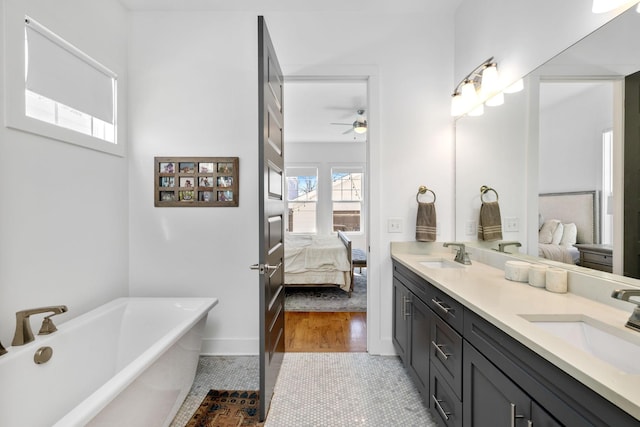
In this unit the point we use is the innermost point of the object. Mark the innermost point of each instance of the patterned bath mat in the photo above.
(328, 299)
(227, 408)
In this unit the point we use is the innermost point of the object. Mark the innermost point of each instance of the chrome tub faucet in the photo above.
(503, 245)
(461, 255)
(624, 295)
(23, 333)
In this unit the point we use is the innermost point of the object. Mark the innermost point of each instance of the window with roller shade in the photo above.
(67, 88)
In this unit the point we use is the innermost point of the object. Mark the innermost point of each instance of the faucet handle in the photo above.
(2, 350)
(47, 326)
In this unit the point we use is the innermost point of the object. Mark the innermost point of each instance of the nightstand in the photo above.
(598, 257)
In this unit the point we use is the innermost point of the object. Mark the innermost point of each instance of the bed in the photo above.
(316, 260)
(566, 219)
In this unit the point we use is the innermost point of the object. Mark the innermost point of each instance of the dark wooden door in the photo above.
(401, 307)
(271, 183)
(419, 344)
(631, 262)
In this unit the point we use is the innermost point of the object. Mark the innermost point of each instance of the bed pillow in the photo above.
(557, 234)
(546, 233)
(569, 235)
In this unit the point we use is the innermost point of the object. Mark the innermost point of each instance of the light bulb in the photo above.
(489, 81)
(495, 100)
(516, 86)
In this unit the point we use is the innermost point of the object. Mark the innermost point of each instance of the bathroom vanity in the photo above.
(475, 345)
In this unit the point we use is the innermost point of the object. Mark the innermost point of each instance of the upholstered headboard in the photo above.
(580, 207)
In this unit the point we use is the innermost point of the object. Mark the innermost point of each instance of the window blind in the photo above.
(60, 72)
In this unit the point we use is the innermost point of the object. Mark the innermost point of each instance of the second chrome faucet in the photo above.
(23, 334)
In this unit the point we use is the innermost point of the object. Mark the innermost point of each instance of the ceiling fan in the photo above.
(358, 126)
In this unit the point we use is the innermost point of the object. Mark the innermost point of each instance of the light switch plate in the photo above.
(470, 228)
(511, 224)
(394, 225)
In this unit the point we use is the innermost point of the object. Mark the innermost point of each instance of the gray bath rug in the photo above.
(328, 299)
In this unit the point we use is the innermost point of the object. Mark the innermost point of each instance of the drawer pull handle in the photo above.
(441, 306)
(439, 348)
(405, 312)
(514, 416)
(444, 413)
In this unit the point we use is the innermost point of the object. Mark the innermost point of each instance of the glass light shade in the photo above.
(457, 105)
(602, 6)
(516, 86)
(469, 96)
(638, 8)
(490, 81)
(477, 111)
(495, 100)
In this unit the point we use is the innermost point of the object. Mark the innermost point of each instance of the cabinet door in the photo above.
(541, 418)
(401, 307)
(490, 398)
(419, 342)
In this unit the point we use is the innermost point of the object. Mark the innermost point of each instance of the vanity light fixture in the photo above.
(479, 88)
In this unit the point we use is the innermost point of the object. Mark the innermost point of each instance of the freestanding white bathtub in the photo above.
(130, 362)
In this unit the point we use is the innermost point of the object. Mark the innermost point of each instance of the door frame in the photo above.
(368, 74)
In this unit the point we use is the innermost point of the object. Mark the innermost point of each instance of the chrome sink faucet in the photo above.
(23, 333)
(624, 295)
(461, 255)
(503, 245)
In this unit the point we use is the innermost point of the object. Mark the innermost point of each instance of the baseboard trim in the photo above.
(229, 347)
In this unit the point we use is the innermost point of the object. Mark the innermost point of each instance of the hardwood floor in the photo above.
(325, 332)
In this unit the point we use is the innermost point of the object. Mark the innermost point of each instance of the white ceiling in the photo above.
(311, 106)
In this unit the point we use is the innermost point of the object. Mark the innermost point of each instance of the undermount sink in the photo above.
(617, 348)
(441, 263)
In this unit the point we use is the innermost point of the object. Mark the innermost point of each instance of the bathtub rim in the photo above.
(88, 408)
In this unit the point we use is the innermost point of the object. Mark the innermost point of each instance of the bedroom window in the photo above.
(607, 187)
(302, 199)
(346, 197)
(65, 87)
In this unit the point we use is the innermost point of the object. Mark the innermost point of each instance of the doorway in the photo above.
(327, 156)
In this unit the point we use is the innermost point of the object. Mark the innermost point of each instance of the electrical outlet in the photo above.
(511, 224)
(470, 228)
(394, 225)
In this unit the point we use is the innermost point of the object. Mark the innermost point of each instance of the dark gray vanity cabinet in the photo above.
(472, 374)
(411, 329)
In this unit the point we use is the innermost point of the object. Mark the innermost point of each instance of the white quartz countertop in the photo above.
(484, 290)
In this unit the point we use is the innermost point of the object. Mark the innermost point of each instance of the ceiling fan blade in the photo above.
(344, 124)
(347, 131)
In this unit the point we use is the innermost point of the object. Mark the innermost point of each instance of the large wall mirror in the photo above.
(565, 133)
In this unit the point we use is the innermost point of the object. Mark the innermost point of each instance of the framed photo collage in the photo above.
(196, 181)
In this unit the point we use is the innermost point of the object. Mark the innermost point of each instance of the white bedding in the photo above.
(566, 254)
(316, 260)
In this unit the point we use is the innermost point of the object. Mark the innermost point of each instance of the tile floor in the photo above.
(319, 389)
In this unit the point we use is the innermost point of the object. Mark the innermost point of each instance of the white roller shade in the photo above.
(62, 73)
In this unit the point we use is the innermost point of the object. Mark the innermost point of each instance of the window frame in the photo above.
(15, 93)
(315, 202)
(334, 169)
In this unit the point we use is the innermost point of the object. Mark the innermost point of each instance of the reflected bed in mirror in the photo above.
(550, 139)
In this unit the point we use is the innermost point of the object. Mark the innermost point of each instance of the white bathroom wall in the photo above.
(194, 92)
(63, 215)
(571, 139)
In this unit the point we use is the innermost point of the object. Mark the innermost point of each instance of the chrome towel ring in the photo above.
(422, 190)
(484, 189)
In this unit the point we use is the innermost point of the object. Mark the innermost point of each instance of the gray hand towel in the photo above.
(490, 225)
(426, 222)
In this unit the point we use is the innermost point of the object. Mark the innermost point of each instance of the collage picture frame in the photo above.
(196, 181)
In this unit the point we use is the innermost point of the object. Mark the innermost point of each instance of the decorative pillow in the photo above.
(557, 234)
(569, 235)
(545, 235)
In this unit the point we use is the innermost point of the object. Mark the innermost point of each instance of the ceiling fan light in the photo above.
(360, 126)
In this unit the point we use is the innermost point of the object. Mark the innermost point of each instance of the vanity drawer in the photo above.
(413, 282)
(446, 353)
(445, 407)
(447, 308)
